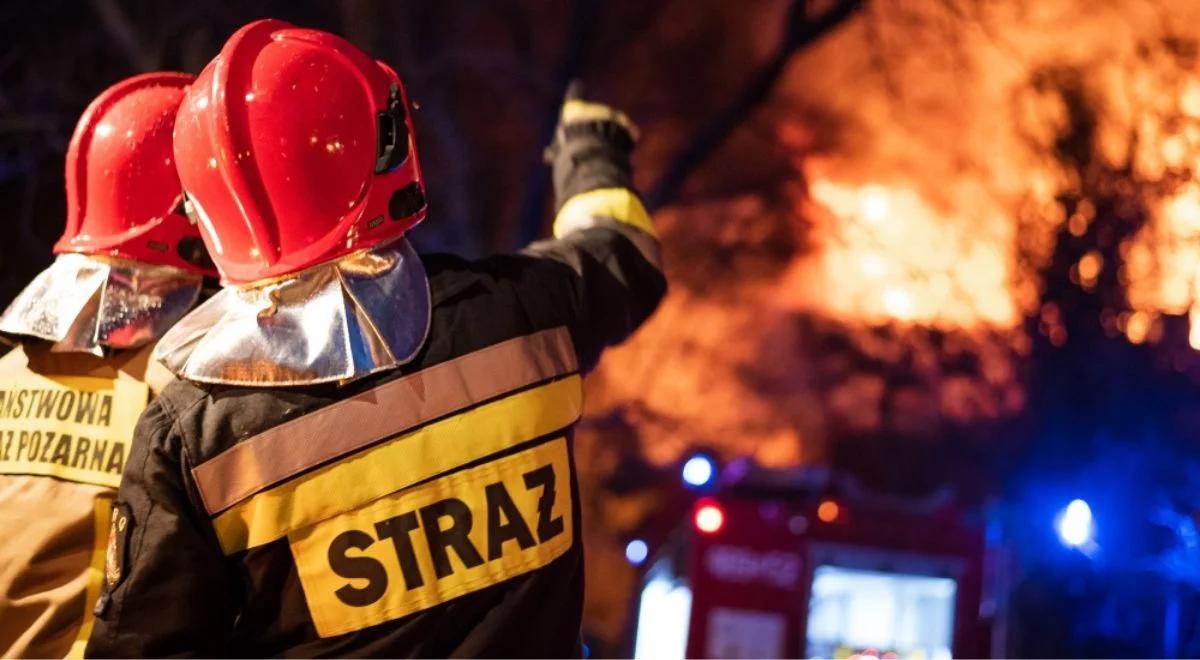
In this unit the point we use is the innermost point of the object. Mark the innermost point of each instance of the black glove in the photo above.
(591, 148)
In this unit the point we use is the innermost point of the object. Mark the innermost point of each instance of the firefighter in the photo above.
(372, 451)
(129, 265)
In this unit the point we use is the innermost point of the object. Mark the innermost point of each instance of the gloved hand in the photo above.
(577, 110)
(591, 148)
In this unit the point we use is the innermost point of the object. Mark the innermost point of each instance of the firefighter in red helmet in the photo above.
(129, 265)
(371, 453)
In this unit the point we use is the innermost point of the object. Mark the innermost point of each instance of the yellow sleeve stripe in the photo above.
(400, 462)
(620, 204)
(102, 515)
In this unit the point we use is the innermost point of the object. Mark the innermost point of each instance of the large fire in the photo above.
(945, 160)
(1163, 268)
(969, 141)
(888, 255)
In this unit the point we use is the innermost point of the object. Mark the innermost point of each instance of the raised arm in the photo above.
(602, 231)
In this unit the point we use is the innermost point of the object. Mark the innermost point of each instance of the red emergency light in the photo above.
(709, 518)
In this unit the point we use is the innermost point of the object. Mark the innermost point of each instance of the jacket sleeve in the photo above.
(613, 278)
(166, 589)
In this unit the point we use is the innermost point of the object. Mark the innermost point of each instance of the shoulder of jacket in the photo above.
(180, 397)
(450, 276)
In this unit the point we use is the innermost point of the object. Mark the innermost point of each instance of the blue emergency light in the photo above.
(699, 471)
(636, 552)
(1075, 525)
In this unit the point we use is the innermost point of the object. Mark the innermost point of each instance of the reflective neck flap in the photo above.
(85, 304)
(339, 321)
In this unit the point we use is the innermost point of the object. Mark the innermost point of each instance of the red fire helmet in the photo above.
(123, 195)
(296, 148)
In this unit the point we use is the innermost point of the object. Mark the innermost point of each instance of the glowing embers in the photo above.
(888, 254)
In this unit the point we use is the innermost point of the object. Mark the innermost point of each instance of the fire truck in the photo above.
(776, 566)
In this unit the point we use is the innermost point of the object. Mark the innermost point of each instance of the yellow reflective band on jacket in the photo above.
(421, 547)
(400, 462)
(620, 204)
(76, 428)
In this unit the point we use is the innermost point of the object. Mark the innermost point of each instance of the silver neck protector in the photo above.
(86, 304)
(363, 313)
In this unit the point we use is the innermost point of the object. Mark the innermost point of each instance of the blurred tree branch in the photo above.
(583, 20)
(124, 34)
(802, 31)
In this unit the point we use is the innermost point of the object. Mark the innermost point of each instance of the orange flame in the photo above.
(889, 255)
